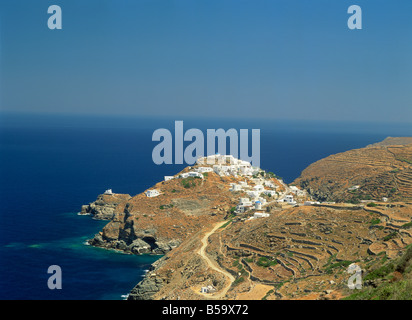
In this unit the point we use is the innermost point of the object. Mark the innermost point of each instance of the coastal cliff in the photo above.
(104, 206)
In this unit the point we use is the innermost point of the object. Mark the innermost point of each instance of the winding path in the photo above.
(212, 264)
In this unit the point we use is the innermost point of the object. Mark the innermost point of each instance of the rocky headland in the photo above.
(104, 206)
(156, 225)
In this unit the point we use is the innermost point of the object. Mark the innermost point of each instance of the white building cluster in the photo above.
(246, 204)
(289, 199)
(197, 172)
(204, 169)
(226, 165)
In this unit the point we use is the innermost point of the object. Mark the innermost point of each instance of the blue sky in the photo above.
(220, 58)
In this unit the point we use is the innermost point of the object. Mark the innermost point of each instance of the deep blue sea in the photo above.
(51, 165)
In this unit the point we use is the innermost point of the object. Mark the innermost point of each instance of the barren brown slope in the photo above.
(379, 171)
(142, 224)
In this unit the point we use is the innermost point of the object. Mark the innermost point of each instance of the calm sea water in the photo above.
(51, 165)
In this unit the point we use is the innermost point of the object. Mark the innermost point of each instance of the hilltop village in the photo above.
(259, 188)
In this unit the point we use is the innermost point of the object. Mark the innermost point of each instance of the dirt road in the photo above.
(213, 265)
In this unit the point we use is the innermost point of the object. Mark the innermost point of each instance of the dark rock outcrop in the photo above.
(150, 284)
(137, 245)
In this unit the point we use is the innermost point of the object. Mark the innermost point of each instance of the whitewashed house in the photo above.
(244, 205)
(152, 193)
(289, 199)
(245, 202)
(258, 205)
(195, 174)
(217, 168)
(204, 169)
(246, 170)
(310, 203)
(167, 178)
(208, 289)
(243, 163)
(243, 208)
(242, 170)
(226, 165)
(108, 191)
(260, 214)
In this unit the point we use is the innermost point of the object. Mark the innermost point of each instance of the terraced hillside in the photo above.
(299, 252)
(308, 246)
(378, 171)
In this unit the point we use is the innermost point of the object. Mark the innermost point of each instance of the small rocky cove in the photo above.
(145, 243)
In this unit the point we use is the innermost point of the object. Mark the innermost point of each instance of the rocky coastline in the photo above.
(144, 242)
(103, 208)
(151, 283)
